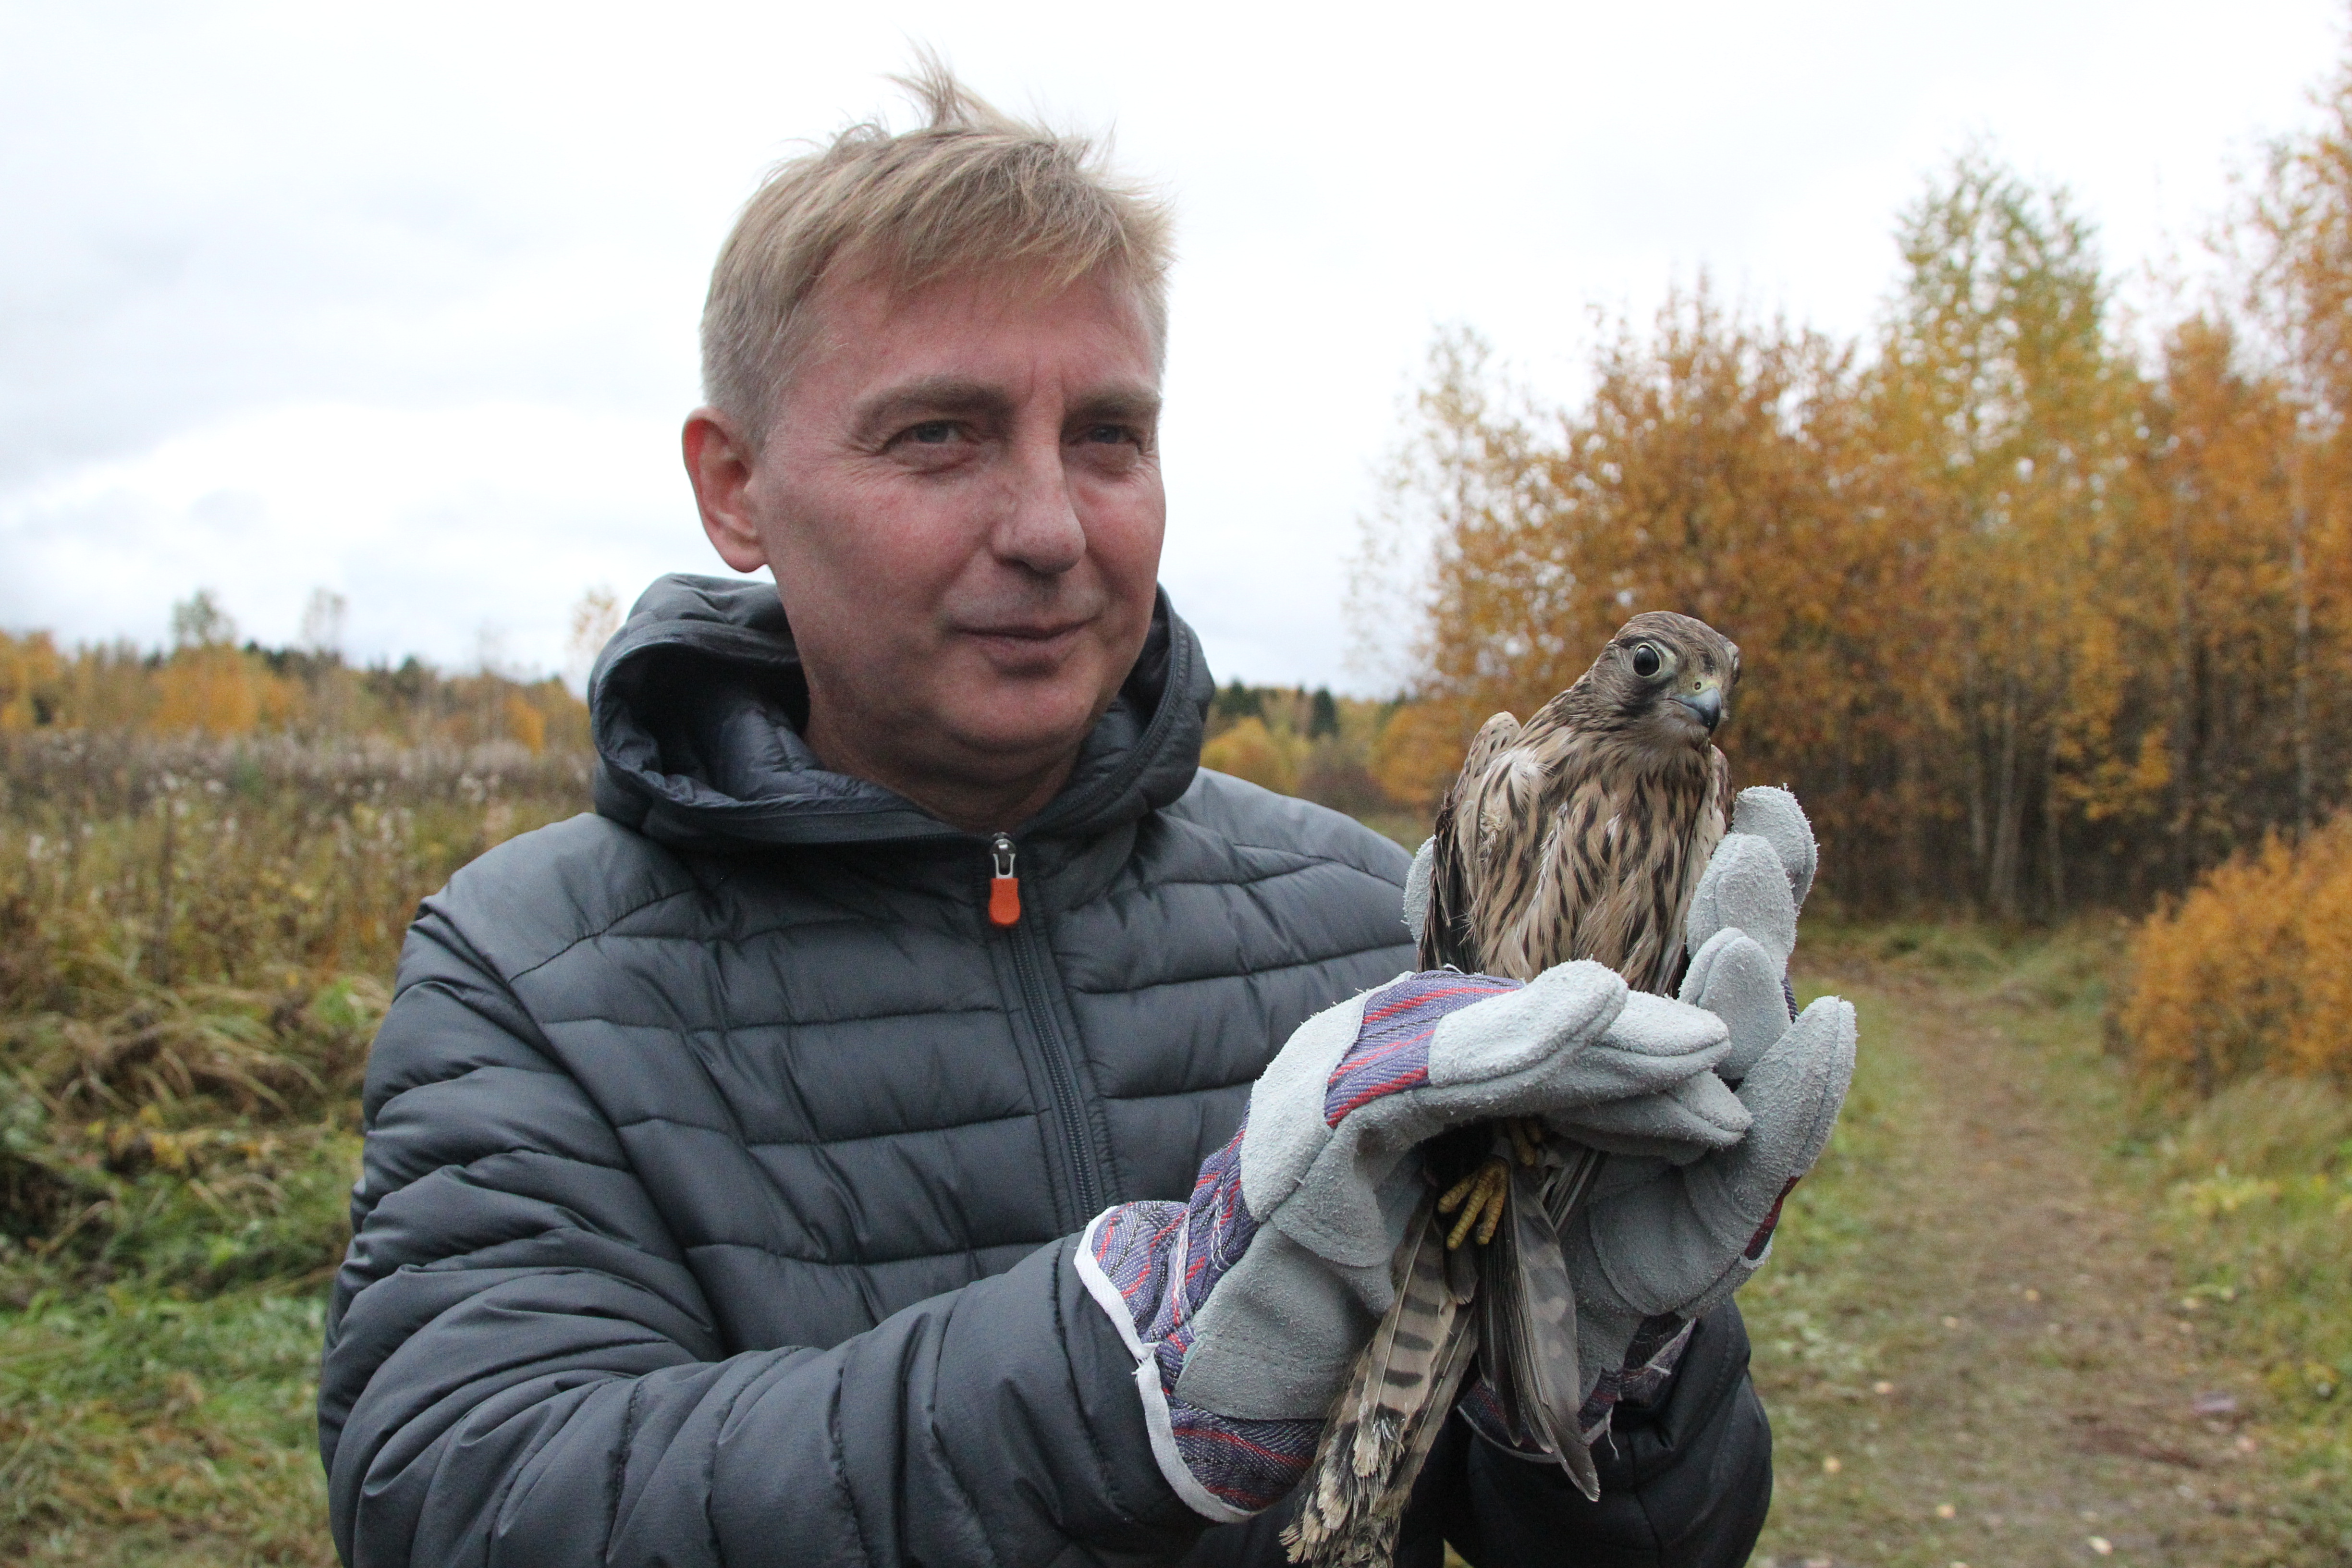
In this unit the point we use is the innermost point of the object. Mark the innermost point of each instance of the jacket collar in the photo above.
(698, 701)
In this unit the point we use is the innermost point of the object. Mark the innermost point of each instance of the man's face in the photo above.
(960, 497)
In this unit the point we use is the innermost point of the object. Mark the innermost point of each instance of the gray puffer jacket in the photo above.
(722, 1158)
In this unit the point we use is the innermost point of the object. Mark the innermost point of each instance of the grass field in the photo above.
(194, 943)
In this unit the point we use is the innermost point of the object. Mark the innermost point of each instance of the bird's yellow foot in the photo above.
(1527, 1134)
(1479, 1195)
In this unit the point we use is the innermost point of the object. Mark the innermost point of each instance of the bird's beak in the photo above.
(1705, 705)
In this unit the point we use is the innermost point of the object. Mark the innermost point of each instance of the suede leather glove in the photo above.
(1663, 1242)
(1247, 1307)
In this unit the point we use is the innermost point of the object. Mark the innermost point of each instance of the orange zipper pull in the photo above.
(1005, 887)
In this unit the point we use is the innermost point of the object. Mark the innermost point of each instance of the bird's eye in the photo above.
(1645, 660)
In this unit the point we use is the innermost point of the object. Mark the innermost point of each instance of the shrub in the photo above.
(2251, 973)
(1251, 751)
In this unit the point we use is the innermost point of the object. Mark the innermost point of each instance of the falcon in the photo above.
(1580, 835)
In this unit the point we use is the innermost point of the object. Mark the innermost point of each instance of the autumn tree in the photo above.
(2220, 629)
(199, 621)
(31, 680)
(594, 619)
(1722, 467)
(2026, 621)
(2005, 402)
(2294, 248)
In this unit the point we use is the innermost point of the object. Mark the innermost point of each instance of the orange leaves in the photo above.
(2252, 971)
(2319, 1041)
(1420, 750)
(1251, 751)
(1722, 467)
(29, 673)
(524, 723)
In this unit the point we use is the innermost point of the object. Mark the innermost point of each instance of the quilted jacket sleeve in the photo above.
(519, 1368)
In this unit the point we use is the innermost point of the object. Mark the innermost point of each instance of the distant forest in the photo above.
(209, 684)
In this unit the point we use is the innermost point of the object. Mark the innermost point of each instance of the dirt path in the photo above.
(1973, 1351)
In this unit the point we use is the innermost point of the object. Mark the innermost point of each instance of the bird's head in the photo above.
(1666, 678)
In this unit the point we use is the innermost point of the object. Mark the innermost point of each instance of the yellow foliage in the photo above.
(2252, 971)
(30, 678)
(1419, 751)
(2027, 620)
(2321, 1041)
(1251, 751)
(525, 723)
(212, 689)
(217, 691)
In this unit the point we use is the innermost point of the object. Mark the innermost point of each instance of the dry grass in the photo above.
(2238, 1016)
(261, 864)
(2256, 1203)
(195, 941)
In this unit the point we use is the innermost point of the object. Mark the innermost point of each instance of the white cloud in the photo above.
(402, 301)
(437, 526)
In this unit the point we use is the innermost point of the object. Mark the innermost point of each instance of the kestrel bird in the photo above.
(1579, 835)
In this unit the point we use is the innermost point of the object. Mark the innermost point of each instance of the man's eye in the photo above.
(1111, 434)
(932, 432)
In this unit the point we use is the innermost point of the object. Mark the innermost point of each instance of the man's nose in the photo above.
(1040, 528)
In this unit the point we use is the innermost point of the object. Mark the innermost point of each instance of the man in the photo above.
(729, 1149)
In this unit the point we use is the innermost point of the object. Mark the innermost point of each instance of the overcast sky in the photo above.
(401, 300)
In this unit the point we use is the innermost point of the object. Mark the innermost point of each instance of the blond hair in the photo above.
(972, 190)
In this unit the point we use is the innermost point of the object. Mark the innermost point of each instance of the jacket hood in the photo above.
(698, 701)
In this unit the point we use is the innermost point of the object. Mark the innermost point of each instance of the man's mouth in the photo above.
(1021, 642)
(1027, 632)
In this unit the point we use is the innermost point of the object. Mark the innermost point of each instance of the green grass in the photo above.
(193, 943)
(1405, 827)
(158, 1363)
(2253, 1194)
(138, 1427)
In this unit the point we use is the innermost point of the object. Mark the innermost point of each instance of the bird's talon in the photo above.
(1479, 1195)
(1527, 1138)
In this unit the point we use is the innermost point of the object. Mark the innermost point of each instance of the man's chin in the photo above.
(1018, 727)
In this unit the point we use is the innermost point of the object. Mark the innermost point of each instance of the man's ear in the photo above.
(718, 462)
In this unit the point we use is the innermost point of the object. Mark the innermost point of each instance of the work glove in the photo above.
(1669, 1234)
(1247, 1307)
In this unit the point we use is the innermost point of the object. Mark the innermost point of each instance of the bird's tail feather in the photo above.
(1526, 1315)
(1566, 1185)
(1385, 1421)
(1529, 1303)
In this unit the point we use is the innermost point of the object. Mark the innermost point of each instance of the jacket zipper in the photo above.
(1029, 965)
